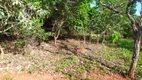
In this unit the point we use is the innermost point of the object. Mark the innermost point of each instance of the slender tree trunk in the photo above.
(58, 29)
(90, 35)
(55, 40)
(57, 33)
(84, 37)
(137, 41)
(1, 51)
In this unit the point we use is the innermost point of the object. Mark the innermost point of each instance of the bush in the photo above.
(115, 37)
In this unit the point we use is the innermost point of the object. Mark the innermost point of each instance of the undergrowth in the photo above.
(75, 66)
(120, 56)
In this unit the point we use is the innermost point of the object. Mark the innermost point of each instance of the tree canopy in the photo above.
(41, 19)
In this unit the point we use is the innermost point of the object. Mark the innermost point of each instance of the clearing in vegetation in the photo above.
(68, 60)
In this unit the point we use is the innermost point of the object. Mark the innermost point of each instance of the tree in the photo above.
(66, 12)
(59, 9)
(24, 17)
(80, 18)
(137, 31)
(9, 14)
(108, 25)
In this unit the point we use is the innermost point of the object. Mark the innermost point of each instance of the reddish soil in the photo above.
(27, 76)
(95, 76)
(46, 76)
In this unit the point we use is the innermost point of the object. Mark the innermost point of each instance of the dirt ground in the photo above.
(38, 62)
(27, 76)
(95, 76)
(46, 76)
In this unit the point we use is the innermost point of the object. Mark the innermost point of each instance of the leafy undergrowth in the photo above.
(121, 53)
(75, 66)
(67, 59)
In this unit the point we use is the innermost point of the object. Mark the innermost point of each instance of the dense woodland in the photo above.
(111, 23)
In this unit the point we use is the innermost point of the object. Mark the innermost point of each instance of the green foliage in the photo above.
(9, 78)
(88, 79)
(21, 43)
(78, 18)
(81, 17)
(115, 37)
(4, 44)
(119, 56)
(66, 63)
(110, 21)
(9, 11)
(75, 66)
(24, 18)
(126, 43)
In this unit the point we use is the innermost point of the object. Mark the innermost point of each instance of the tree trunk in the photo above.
(84, 37)
(57, 33)
(1, 51)
(58, 29)
(55, 40)
(137, 41)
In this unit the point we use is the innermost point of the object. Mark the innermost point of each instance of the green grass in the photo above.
(9, 78)
(126, 44)
(75, 66)
(118, 56)
(88, 79)
(121, 55)
(65, 62)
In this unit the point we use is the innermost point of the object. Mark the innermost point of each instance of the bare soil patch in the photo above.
(96, 76)
(27, 76)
